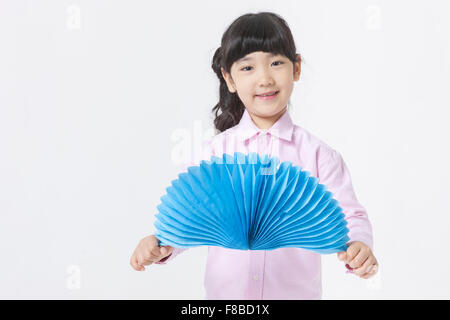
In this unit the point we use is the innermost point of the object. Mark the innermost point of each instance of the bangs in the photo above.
(257, 33)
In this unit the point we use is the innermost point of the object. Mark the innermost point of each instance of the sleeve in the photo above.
(205, 154)
(333, 173)
(175, 252)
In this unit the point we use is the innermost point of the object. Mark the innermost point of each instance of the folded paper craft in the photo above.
(250, 202)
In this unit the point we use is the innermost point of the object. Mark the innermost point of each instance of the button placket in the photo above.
(263, 143)
(256, 274)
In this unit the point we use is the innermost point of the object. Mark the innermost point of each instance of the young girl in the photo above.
(257, 65)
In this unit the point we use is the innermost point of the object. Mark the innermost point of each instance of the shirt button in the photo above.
(255, 277)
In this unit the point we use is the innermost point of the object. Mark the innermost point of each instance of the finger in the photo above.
(374, 269)
(352, 252)
(360, 258)
(140, 267)
(144, 261)
(364, 268)
(134, 263)
(371, 273)
(167, 250)
(370, 268)
(342, 256)
(151, 253)
(155, 253)
(366, 276)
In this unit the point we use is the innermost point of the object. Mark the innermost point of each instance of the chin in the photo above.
(270, 111)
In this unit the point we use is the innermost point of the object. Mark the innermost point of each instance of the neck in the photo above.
(265, 123)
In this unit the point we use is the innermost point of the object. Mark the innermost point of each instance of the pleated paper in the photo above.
(250, 202)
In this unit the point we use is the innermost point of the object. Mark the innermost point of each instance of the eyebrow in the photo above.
(251, 58)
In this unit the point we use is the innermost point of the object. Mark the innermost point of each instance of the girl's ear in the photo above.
(228, 80)
(297, 68)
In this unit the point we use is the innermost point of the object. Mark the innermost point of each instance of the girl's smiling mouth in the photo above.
(269, 96)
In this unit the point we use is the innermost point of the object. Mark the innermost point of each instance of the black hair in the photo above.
(263, 31)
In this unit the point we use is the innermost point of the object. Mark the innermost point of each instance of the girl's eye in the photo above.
(281, 62)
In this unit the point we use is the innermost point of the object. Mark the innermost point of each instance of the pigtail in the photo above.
(230, 105)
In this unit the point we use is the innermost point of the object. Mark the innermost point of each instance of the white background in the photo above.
(93, 95)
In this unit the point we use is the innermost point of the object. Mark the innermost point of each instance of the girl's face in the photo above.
(262, 72)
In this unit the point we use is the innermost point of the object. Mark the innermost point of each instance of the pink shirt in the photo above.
(284, 273)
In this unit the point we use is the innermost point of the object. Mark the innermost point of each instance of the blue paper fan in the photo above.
(250, 202)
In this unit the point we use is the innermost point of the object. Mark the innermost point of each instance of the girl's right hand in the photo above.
(148, 252)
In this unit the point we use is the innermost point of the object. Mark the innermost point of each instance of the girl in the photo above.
(257, 65)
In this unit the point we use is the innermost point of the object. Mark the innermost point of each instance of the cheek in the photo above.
(248, 92)
(243, 87)
(286, 79)
(287, 87)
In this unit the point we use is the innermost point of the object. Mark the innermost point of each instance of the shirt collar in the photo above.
(282, 128)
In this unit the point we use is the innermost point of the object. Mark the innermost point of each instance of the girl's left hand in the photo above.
(360, 258)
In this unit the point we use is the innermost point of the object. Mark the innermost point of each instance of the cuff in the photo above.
(174, 253)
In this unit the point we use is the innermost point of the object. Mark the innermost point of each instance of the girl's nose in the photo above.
(266, 79)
